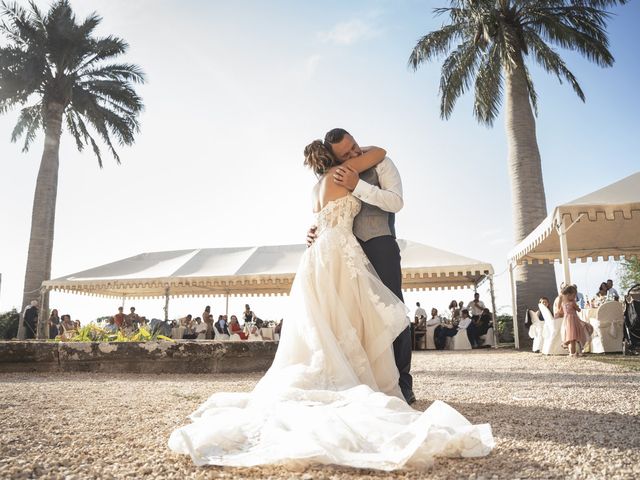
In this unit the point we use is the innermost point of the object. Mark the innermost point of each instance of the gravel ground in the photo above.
(552, 417)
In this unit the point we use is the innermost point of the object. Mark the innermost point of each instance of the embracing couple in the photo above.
(339, 389)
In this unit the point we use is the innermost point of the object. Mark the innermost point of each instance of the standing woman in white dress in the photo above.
(331, 395)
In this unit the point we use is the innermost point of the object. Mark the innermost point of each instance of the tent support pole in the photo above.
(123, 298)
(493, 312)
(226, 308)
(166, 303)
(514, 307)
(43, 318)
(564, 252)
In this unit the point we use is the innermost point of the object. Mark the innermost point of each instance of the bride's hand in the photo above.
(311, 235)
(347, 177)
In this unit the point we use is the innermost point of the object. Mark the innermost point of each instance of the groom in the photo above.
(380, 190)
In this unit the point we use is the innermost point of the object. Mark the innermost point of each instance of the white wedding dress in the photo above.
(331, 395)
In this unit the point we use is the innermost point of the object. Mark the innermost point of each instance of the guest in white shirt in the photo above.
(475, 307)
(435, 318)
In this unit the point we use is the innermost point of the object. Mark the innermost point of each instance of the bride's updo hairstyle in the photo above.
(318, 158)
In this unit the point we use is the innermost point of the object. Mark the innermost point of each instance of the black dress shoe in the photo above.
(411, 399)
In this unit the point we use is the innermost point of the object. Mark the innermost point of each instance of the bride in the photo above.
(331, 395)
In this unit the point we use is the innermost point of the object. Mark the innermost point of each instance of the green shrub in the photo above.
(9, 324)
(505, 328)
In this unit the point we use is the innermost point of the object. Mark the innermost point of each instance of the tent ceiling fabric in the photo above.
(266, 270)
(607, 224)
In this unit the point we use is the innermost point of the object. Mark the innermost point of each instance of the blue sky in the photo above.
(236, 89)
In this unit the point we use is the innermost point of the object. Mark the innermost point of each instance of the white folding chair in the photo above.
(267, 333)
(551, 333)
(431, 344)
(488, 338)
(460, 341)
(607, 328)
(536, 331)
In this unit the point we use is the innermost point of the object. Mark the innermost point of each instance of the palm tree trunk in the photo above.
(527, 192)
(43, 218)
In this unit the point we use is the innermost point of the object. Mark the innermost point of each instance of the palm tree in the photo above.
(494, 40)
(54, 68)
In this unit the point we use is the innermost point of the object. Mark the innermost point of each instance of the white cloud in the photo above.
(348, 33)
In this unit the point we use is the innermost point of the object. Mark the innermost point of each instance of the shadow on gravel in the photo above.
(562, 426)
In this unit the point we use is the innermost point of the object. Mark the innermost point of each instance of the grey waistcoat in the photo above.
(372, 221)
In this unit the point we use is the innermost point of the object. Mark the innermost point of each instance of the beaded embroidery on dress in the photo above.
(331, 395)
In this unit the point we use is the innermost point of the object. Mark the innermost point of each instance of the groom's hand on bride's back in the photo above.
(311, 235)
(347, 177)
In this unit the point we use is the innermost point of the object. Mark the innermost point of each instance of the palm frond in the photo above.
(29, 122)
(552, 62)
(435, 44)
(489, 87)
(458, 71)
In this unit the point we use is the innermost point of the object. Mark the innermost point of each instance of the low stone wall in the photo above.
(132, 357)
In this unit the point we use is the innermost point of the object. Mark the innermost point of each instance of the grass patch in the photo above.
(629, 362)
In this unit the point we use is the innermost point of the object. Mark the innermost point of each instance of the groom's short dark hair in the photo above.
(334, 136)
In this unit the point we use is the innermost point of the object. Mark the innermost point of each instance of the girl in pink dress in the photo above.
(575, 330)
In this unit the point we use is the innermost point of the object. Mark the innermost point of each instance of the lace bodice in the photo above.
(338, 213)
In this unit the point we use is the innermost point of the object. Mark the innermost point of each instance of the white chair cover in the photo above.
(431, 345)
(536, 331)
(607, 328)
(489, 337)
(460, 341)
(551, 333)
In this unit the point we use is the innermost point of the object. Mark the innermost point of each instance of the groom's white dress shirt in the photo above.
(388, 196)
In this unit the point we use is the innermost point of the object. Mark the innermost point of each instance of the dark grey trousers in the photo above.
(384, 255)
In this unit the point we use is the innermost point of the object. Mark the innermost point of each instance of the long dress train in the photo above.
(331, 395)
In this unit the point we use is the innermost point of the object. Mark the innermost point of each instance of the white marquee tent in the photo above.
(265, 270)
(602, 224)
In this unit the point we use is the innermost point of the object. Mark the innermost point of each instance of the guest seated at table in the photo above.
(254, 334)
(184, 321)
(601, 296)
(234, 327)
(68, 327)
(110, 327)
(543, 301)
(200, 328)
(221, 325)
(465, 323)
(484, 322)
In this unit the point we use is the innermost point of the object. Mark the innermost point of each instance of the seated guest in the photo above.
(68, 327)
(538, 313)
(601, 296)
(200, 328)
(131, 319)
(254, 334)
(234, 327)
(483, 324)
(444, 331)
(221, 325)
(110, 327)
